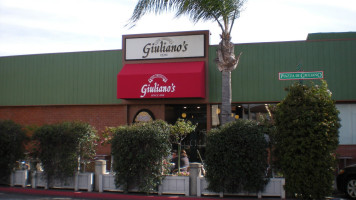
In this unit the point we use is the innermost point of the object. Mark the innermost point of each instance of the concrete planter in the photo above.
(81, 181)
(174, 185)
(107, 183)
(273, 189)
(170, 185)
(19, 178)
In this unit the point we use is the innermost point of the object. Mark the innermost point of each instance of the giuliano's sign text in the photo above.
(153, 88)
(183, 46)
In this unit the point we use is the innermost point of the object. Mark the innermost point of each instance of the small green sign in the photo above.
(300, 75)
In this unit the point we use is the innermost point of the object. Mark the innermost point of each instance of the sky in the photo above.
(51, 26)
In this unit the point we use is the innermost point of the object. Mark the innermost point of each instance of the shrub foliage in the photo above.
(236, 157)
(179, 131)
(138, 152)
(12, 149)
(307, 123)
(61, 147)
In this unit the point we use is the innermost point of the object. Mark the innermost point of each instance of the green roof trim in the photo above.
(331, 36)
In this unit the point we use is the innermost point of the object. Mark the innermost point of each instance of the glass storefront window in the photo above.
(241, 111)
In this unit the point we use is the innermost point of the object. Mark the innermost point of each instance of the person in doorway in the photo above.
(184, 162)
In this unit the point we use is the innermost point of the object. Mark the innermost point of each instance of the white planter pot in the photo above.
(38, 180)
(85, 182)
(170, 185)
(273, 188)
(19, 177)
(81, 181)
(174, 185)
(107, 183)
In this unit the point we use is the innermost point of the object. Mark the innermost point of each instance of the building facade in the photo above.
(117, 87)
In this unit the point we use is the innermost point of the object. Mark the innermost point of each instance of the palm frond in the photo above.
(145, 6)
(224, 12)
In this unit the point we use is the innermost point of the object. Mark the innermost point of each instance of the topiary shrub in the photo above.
(62, 147)
(307, 123)
(179, 131)
(236, 157)
(12, 148)
(138, 152)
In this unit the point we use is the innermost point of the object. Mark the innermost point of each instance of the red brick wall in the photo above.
(98, 116)
(101, 116)
(348, 152)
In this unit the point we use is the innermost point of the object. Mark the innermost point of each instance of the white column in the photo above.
(100, 169)
(194, 172)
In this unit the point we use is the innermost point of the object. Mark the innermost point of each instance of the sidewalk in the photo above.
(104, 195)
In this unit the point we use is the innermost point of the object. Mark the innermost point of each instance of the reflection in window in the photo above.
(215, 111)
(242, 111)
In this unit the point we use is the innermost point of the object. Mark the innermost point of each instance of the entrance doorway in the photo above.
(195, 142)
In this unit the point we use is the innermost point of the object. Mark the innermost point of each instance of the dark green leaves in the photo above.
(61, 145)
(307, 122)
(236, 157)
(138, 152)
(12, 149)
(180, 130)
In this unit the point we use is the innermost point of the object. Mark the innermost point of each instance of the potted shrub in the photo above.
(62, 148)
(236, 158)
(139, 151)
(307, 137)
(12, 147)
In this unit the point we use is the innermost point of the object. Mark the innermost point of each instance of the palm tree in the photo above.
(224, 12)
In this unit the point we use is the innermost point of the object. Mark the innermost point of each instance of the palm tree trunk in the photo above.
(226, 97)
(226, 61)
